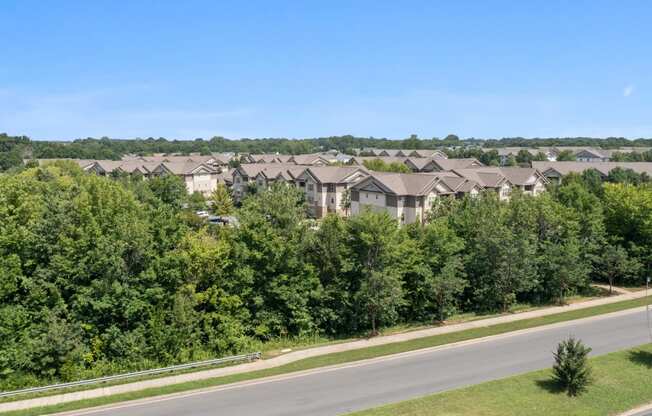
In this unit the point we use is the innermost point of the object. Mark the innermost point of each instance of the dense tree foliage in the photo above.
(100, 275)
(380, 165)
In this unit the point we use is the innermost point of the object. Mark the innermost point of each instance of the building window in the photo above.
(332, 200)
(311, 187)
(330, 187)
(302, 184)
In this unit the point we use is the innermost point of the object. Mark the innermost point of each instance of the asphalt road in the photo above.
(358, 387)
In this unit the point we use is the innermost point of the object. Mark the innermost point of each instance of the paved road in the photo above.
(358, 387)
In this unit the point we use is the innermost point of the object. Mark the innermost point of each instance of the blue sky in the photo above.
(187, 69)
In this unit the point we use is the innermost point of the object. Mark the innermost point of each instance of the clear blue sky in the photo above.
(187, 69)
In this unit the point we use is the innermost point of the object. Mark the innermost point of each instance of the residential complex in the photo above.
(331, 186)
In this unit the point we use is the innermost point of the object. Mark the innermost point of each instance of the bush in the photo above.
(571, 370)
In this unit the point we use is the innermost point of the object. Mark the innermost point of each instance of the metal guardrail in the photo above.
(216, 361)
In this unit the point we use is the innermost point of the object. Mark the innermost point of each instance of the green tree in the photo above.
(196, 201)
(375, 243)
(571, 369)
(380, 296)
(565, 155)
(221, 202)
(380, 165)
(616, 265)
(271, 252)
(170, 189)
(446, 286)
(331, 255)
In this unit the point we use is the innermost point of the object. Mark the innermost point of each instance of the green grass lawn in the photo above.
(622, 381)
(348, 356)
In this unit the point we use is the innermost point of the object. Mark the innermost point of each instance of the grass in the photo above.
(346, 356)
(622, 381)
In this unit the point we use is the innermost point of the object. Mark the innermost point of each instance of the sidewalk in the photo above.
(307, 353)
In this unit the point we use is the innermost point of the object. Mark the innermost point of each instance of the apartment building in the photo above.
(407, 196)
(503, 180)
(326, 188)
(260, 174)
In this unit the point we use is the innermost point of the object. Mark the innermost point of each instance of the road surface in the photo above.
(360, 386)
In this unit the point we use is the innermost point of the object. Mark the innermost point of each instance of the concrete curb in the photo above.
(639, 411)
(317, 351)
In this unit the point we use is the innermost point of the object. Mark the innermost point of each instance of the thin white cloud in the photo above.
(628, 90)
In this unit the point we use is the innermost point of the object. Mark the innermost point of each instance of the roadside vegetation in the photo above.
(621, 381)
(329, 359)
(108, 275)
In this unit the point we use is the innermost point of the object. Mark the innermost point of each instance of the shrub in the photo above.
(571, 370)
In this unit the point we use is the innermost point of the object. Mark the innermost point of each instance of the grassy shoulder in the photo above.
(345, 357)
(622, 381)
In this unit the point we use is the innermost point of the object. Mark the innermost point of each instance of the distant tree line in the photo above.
(100, 275)
(15, 148)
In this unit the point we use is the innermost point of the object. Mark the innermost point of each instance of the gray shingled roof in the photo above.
(406, 183)
(333, 174)
(452, 164)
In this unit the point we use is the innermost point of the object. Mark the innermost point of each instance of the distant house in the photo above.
(554, 171)
(388, 152)
(249, 174)
(591, 155)
(198, 177)
(309, 159)
(407, 196)
(505, 179)
(451, 164)
(423, 153)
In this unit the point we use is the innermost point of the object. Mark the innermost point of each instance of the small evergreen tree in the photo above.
(222, 202)
(571, 369)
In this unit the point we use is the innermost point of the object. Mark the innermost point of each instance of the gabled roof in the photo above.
(451, 164)
(591, 152)
(401, 183)
(418, 163)
(285, 172)
(109, 166)
(309, 159)
(134, 166)
(186, 168)
(334, 174)
(493, 177)
(251, 170)
(388, 152)
(417, 184)
(486, 178)
(421, 153)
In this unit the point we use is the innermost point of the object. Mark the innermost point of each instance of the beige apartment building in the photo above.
(408, 197)
(326, 188)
